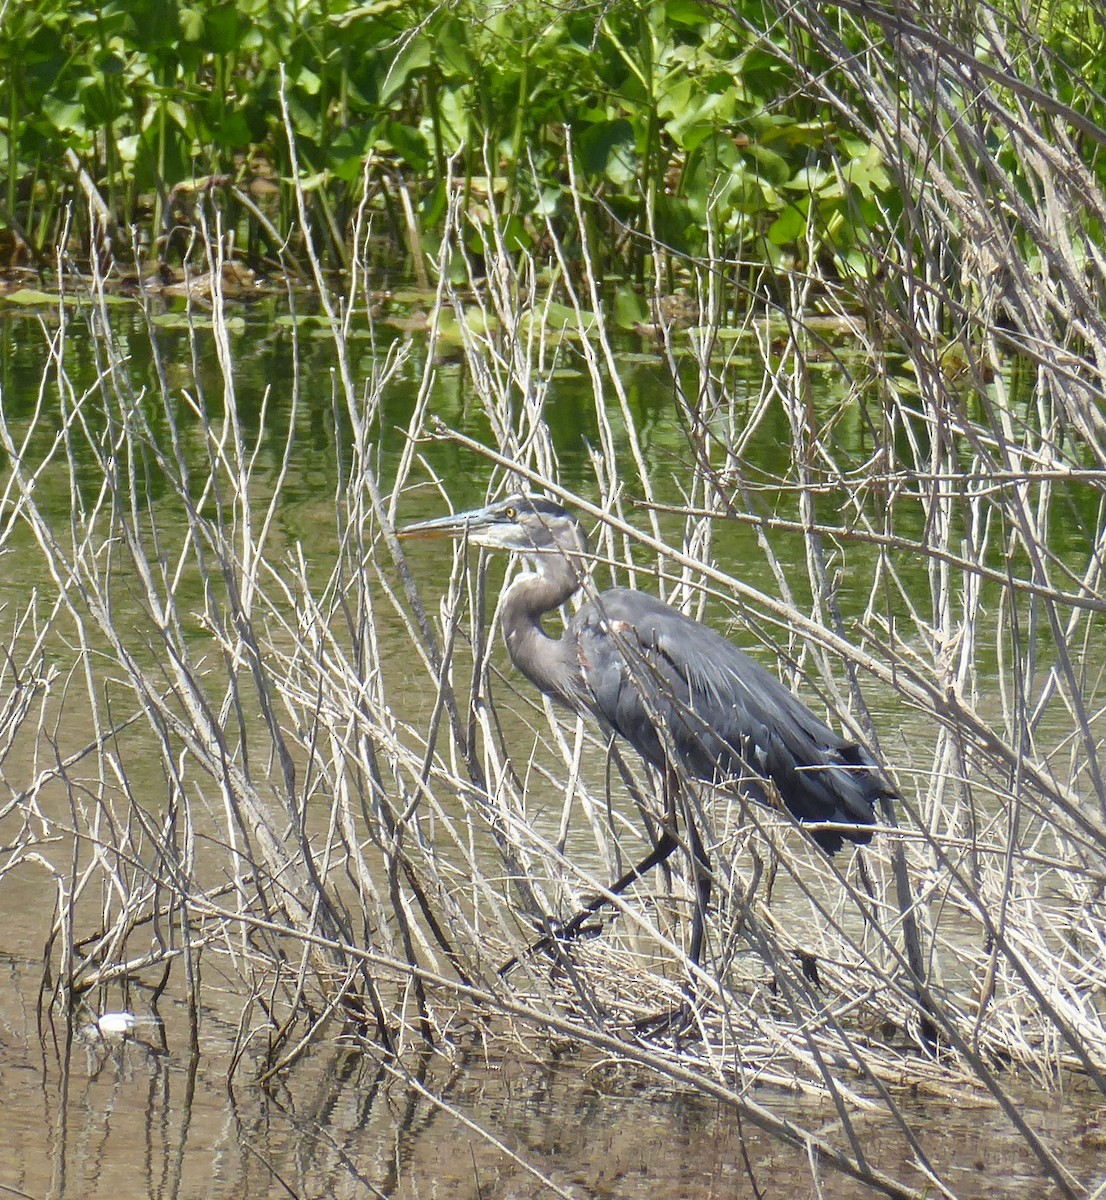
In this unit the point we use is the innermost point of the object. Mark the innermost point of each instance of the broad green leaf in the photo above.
(867, 173)
(630, 309)
(65, 115)
(608, 149)
(184, 320)
(313, 181)
(127, 148)
(549, 202)
(810, 179)
(416, 55)
(232, 132)
(691, 13)
(561, 317)
(515, 234)
(451, 48)
(222, 28)
(364, 11)
(301, 320)
(788, 227)
(102, 104)
(191, 24)
(771, 166)
(408, 143)
(307, 81)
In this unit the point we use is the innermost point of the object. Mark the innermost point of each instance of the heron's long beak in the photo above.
(455, 525)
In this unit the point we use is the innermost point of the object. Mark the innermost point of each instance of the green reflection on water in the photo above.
(282, 373)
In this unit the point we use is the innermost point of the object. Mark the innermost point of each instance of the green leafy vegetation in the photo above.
(677, 120)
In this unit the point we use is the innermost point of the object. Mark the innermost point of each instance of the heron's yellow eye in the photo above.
(511, 513)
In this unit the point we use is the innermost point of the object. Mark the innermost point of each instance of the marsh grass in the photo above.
(353, 861)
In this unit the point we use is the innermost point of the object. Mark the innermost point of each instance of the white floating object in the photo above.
(116, 1022)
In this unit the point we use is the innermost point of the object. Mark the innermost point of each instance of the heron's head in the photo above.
(529, 525)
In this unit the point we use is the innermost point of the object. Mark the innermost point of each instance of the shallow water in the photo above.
(91, 1113)
(140, 1117)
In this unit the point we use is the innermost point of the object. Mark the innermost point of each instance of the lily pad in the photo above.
(173, 320)
(29, 297)
(299, 320)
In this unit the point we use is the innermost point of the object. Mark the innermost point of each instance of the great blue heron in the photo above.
(689, 701)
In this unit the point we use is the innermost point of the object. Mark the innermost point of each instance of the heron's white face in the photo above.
(502, 535)
(500, 539)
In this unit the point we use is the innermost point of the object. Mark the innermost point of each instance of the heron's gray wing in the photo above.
(671, 685)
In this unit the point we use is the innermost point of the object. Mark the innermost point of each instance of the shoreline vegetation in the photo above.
(676, 123)
(928, 181)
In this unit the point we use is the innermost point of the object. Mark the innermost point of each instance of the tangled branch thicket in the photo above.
(354, 855)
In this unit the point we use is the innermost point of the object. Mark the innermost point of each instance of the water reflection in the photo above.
(130, 1118)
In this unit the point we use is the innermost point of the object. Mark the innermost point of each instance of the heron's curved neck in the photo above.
(549, 663)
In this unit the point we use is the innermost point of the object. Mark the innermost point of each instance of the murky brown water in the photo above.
(107, 1115)
(112, 1118)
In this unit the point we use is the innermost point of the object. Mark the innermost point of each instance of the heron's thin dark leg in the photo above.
(700, 871)
(674, 784)
(660, 852)
(571, 928)
(680, 1020)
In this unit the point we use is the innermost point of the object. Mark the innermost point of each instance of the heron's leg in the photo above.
(676, 797)
(660, 852)
(680, 1020)
(571, 928)
(700, 873)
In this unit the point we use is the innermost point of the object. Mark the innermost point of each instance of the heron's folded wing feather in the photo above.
(647, 665)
